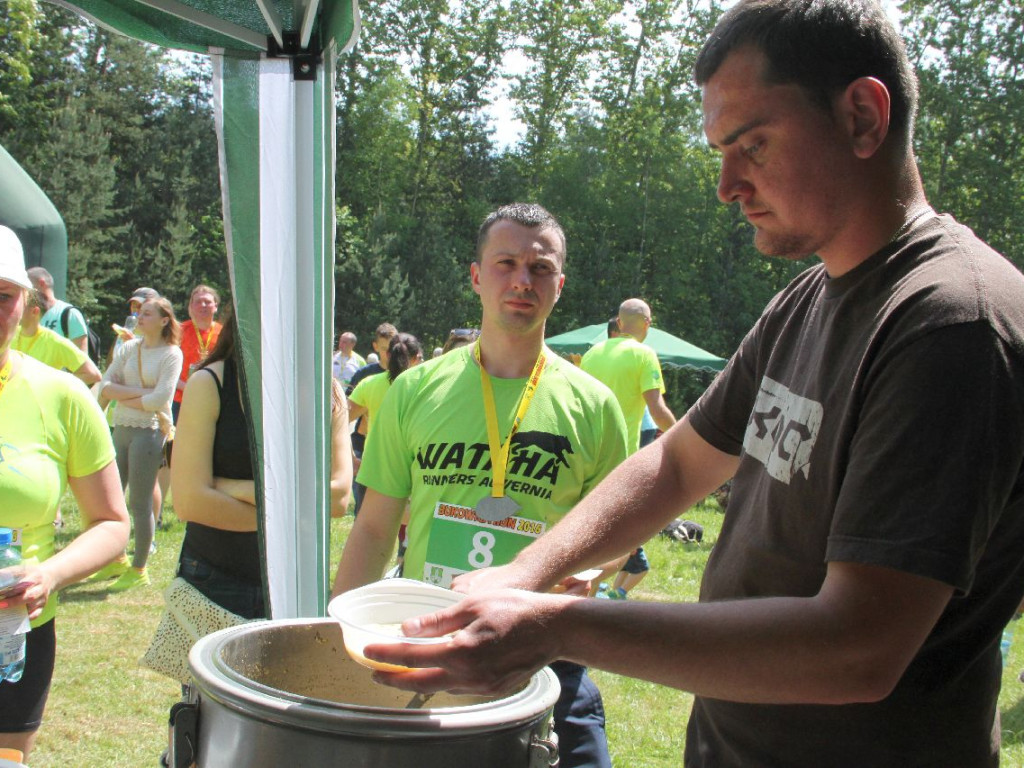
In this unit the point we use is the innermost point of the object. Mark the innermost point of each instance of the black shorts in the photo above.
(22, 703)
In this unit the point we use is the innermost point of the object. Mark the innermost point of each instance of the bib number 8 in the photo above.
(482, 553)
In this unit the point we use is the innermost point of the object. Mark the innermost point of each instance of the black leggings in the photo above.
(22, 703)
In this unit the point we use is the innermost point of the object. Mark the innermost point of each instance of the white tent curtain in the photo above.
(276, 141)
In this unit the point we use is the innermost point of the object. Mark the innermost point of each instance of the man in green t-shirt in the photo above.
(50, 347)
(632, 371)
(443, 425)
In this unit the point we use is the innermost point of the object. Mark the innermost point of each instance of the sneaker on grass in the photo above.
(112, 570)
(130, 578)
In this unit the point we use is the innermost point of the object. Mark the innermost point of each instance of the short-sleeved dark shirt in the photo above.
(879, 419)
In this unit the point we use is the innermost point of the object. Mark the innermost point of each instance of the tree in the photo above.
(970, 132)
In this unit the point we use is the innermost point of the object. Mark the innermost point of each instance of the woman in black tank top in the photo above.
(212, 482)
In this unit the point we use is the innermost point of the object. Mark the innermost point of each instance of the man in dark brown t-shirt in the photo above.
(872, 422)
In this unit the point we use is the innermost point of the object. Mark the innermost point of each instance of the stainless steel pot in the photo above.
(286, 693)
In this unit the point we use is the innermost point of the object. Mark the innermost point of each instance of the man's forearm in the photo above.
(851, 642)
(363, 560)
(371, 542)
(660, 412)
(663, 417)
(830, 648)
(629, 506)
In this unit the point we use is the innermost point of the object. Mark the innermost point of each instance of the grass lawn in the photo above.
(105, 710)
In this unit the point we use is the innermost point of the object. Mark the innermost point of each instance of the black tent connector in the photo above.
(304, 60)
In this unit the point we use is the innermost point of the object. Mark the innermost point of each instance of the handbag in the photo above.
(188, 616)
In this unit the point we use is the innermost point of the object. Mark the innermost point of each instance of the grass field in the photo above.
(105, 710)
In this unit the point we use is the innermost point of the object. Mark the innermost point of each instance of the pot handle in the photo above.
(544, 752)
(184, 734)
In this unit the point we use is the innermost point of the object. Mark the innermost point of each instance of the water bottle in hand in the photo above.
(12, 646)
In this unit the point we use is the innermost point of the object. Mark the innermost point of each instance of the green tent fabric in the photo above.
(672, 351)
(274, 76)
(26, 209)
(203, 26)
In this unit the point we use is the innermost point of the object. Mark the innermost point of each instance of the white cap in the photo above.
(12, 259)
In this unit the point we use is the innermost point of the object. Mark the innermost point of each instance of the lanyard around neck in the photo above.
(499, 452)
(204, 346)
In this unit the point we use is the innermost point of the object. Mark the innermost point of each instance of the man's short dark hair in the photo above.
(821, 46)
(528, 215)
(386, 331)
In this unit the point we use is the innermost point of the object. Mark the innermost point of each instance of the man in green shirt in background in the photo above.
(50, 347)
(632, 371)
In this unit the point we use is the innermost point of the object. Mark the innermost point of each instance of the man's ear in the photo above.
(864, 108)
(474, 276)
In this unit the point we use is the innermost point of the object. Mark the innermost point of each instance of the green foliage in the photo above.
(970, 134)
(120, 136)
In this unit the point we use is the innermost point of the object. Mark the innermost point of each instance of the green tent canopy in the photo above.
(273, 91)
(672, 351)
(26, 209)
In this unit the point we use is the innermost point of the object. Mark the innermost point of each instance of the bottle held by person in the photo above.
(12, 643)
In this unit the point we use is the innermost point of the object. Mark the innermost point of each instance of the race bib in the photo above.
(461, 542)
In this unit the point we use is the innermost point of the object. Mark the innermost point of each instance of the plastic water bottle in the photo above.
(12, 647)
(131, 322)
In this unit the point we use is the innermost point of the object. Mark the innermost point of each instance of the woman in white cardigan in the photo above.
(142, 378)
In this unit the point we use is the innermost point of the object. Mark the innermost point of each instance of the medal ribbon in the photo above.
(204, 346)
(5, 372)
(499, 452)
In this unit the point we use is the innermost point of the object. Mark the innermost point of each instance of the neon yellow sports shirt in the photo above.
(429, 444)
(629, 369)
(50, 348)
(50, 428)
(369, 393)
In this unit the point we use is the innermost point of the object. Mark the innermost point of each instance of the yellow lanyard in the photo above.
(499, 452)
(5, 372)
(204, 346)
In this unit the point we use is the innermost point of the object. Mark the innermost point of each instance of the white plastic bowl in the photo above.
(362, 612)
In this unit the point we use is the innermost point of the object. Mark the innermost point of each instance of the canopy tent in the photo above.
(672, 351)
(273, 63)
(26, 209)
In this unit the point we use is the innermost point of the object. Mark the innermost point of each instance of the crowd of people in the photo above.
(871, 425)
(111, 445)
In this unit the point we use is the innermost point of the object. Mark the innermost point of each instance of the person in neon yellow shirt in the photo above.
(491, 445)
(404, 351)
(49, 347)
(52, 436)
(632, 371)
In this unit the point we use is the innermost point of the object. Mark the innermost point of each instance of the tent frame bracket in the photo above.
(305, 61)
